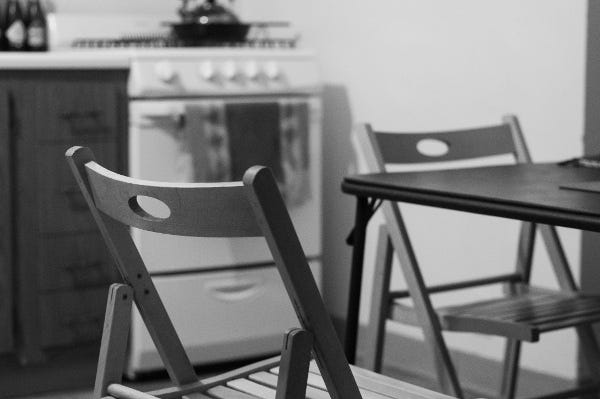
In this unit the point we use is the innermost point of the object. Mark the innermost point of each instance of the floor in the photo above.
(76, 369)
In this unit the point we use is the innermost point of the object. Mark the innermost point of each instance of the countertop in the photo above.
(120, 58)
(67, 59)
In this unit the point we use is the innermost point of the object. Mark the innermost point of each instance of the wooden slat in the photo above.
(271, 380)
(462, 144)
(482, 325)
(523, 317)
(393, 387)
(252, 388)
(123, 392)
(373, 383)
(177, 392)
(561, 310)
(528, 310)
(221, 392)
(196, 209)
(488, 306)
(512, 310)
(574, 321)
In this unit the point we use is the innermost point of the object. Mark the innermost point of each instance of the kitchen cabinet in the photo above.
(6, 294)
(59, 264)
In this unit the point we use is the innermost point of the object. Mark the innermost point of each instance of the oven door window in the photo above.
(212, 140)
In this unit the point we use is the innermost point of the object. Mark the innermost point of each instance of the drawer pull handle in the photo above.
(85, 123)
(235, 290)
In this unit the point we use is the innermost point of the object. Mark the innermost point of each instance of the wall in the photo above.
(246, 9)
(427, 64)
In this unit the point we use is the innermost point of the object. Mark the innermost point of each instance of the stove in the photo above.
(205, 112)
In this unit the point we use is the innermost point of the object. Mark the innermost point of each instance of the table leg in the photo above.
(361, 219)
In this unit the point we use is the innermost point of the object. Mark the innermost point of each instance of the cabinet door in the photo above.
(6, 326)
(60, 259)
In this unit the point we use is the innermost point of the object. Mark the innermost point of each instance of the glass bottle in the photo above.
(2, 27)
(37, 38)
(14, 27)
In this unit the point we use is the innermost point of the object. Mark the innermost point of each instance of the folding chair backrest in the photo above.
(253, 207)
(381, 148)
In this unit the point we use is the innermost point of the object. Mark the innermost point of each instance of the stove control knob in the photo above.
(230, 70)
(272, 70)
(207, 70)
(252, 70)
(164, 71)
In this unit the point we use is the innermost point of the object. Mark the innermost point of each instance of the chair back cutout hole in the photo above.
(149, 208)
(433, 147)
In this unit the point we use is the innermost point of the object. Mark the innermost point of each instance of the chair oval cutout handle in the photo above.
(433, 147)
(149, 208)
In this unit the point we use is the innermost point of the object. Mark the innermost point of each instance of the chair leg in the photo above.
(510, 370)
(111, 361)
(295, 361)
(566, 282)
(378, 314)
(590, 350)
(426, 314)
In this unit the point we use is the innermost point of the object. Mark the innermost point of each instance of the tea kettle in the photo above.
(208, 12)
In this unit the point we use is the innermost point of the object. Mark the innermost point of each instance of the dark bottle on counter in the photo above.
(14, 27)
(2, 25)
(37, 38)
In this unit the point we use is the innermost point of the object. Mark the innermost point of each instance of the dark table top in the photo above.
(531, 192)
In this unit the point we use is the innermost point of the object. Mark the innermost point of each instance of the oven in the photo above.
(206, 115)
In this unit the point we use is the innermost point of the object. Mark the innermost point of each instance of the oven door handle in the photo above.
(160, 113)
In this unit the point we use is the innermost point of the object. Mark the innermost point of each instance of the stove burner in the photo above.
(169, 41)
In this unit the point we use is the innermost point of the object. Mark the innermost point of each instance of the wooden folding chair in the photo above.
(250, 208)
(522, 314)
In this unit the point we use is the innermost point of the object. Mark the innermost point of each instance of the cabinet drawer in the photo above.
(75, 262)
(61, 205)
(80, 110)
(72, 317)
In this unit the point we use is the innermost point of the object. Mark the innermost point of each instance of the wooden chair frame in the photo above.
(251, 208)
(379, 149)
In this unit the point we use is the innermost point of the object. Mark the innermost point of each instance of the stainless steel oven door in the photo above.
(203, 140)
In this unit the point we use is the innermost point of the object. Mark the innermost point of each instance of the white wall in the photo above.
(245, 8)
(427, 64)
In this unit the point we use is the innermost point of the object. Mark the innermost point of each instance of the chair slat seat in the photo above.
(262, 384)
(522, 316)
